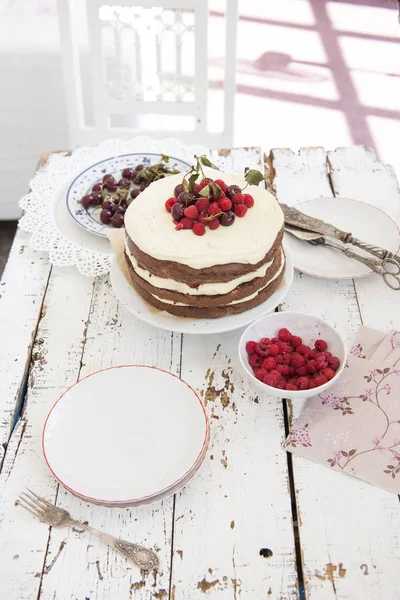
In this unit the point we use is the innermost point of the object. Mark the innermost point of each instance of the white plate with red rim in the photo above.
(157, 497)
(129, 297)
(126, 435)
(366, 222)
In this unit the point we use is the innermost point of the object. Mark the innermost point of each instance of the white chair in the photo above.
(141, 67)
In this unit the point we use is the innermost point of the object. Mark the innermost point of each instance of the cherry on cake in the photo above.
(205, 246)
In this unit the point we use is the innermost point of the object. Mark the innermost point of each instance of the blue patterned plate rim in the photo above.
(92, 225)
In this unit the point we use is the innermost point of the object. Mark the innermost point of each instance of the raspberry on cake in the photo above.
(209, 262)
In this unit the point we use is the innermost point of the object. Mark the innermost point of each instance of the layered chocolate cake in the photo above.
(206, 249)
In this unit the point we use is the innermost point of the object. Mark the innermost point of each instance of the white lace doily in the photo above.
(70, 245)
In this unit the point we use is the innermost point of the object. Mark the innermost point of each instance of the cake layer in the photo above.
(244, 291)
(247, 242)
(205, 289)
(196, 277)
(214, 311)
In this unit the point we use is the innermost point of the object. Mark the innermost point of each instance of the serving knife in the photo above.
(295, 218)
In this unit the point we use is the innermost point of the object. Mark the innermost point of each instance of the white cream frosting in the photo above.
(246, 299)
(205, 289)
(247, 241)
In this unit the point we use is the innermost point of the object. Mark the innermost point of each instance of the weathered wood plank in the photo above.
(356, 173)
(55, 366)
(86, 567)
(22, 288)
(348, 529)
(239, 503)
(21, 293)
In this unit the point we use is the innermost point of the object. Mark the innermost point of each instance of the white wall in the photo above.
(32, 106)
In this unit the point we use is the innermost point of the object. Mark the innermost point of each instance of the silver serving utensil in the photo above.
(52, 515)
(387, 268)
(295, 218)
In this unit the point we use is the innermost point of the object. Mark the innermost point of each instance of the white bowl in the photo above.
(309, 328)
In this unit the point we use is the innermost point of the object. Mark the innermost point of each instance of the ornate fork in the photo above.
(145, 559)
(388, 268)
(295, 218)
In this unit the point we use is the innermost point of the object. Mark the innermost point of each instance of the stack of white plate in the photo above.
(126, 436)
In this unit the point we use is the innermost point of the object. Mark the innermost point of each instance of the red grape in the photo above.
(97, 198)
(117, 220)
(105, 216)
(97, 187)
(108, 176)
(108, 205)
(128, 173)
(124, 182)
(110, 185)
(87, 201)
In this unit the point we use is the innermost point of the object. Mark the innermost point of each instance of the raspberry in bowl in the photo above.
(292, 355)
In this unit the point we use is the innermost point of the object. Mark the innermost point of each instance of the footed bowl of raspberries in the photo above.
(292, 355)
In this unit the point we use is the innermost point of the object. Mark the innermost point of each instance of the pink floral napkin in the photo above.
(354, 426)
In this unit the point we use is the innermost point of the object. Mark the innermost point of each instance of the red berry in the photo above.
(302, 349)
(199, 229)
(279, 359)
(329, 373)
(298, 360)
(310, 355)
(291, 387)
(321, 345)
(264, 352)
(302, 383)
(321, 363)
(221, 184)
(179, 226)
(274, 340)
(240, 210)
(225, 204)
(265, 342)
(283, 347)
(202, 205)
(311, 384)
(281, 384)
(286, 359)
(296, 341)
(196, 189)
(248, 200)
(238, 199)
(283, 370)
(251, 347)
(271, 379)
(204, 182)
(260, 374)
(187, 223)
(320, 380)
(213, 209)
(274, 349)
(301, 371)
(191, 212)
(269, 363)
(255, 361)
(293, 380)
(311, 366)
(203, 218)
(214, 224)
(334, 362)
(169, 204)
(284, 334)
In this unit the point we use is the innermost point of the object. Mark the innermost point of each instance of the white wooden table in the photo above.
(327, 535)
